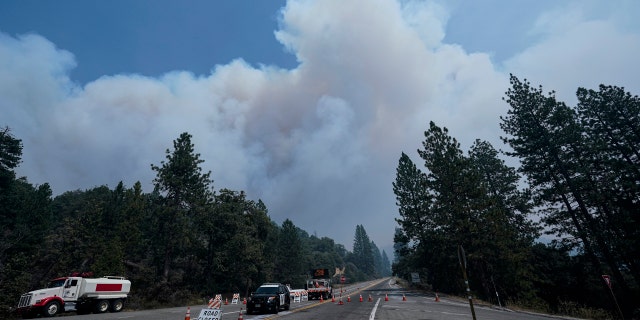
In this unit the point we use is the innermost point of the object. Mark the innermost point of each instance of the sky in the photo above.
(304, 104)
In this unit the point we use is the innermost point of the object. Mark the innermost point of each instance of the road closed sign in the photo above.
(210, 314)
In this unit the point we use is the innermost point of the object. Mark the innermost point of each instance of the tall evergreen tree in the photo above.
(453, 215)
(10, 155)
(135, 213)
(290, 253)
(473, 201)
(362, 252)
(610, 118)
(509, 233)
(386, 265)
(185, 191)
(377, 260)
(557, 158)
(412, 199)
(237, 236)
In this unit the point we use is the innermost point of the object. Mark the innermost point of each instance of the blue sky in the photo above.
(304, 104)
(151, 37)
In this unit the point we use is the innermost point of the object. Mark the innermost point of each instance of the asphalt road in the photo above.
(415, 306)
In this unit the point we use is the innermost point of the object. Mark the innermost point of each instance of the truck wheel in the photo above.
(117, 305)
(102, 306)
(51, 309)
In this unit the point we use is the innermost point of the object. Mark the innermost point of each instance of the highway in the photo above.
(415, 306)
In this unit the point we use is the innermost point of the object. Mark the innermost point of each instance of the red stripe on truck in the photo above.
(109, 287)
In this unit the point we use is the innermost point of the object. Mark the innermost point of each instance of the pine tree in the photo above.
(549, 139)
(10, 155)
(362, 252)
(508, 231)
(454, 214)
(412, 199)
(289, 258)
(610, 118)
(184, 193)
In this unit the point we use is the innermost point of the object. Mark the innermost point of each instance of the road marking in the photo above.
(373, 312)
(454, 314)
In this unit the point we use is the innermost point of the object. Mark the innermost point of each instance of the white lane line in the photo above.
(373, 312)
(454, 314)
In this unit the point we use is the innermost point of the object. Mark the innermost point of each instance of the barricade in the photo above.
(235, 299)
(214, 303)
(297, 296)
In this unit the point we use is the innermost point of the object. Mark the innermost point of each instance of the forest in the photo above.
(180, 243)
(559, 233)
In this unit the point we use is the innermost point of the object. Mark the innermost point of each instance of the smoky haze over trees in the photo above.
(183, 241)
(578, 184)
(582, 171)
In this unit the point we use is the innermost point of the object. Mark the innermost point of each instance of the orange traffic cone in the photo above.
(404, 298)
(187, 316)
(226, 301)
(240, 315)
(360, 298)
(348, 298)
(340, 303)
(437, 298)
(333, 298)
(244, 301)
(386, 297)
(321, 299)
(370, 299)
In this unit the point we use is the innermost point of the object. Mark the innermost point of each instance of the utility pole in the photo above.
(463, 265)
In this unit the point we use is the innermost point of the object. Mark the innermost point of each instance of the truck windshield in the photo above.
(316, 283)
(56, 283)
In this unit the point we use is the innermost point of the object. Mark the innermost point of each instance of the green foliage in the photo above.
(178, 243)
(25, 216)
(470, 200)
(184, 193)
(582, 165)
(10, 155)
(363, 253)
(412, 199)
(384, 266)
(289, 257)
